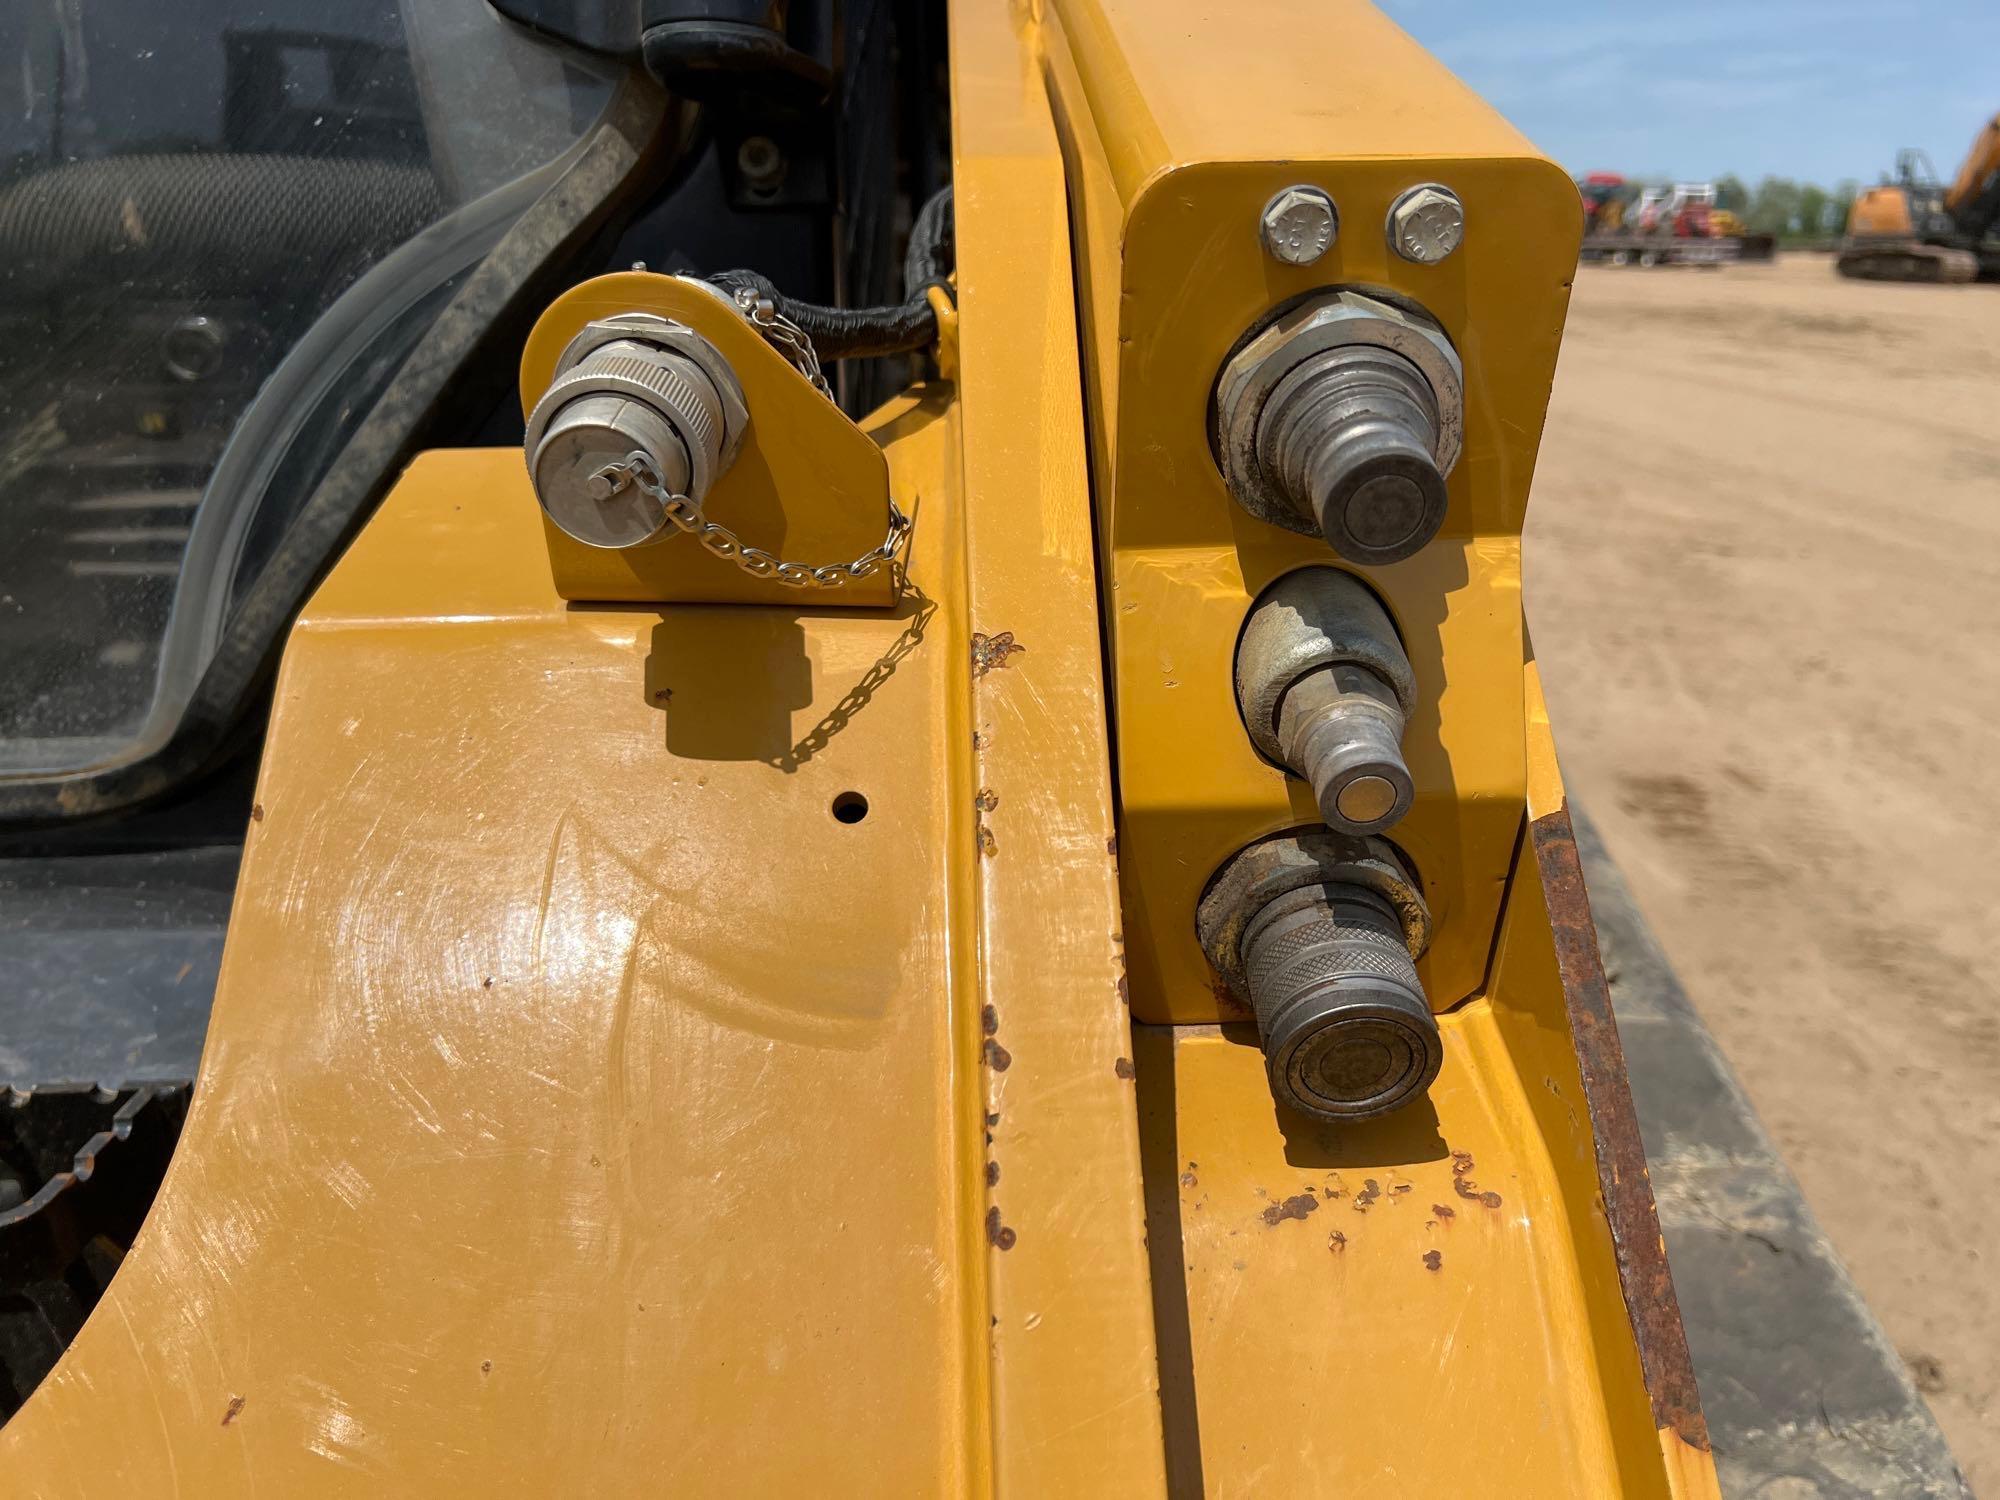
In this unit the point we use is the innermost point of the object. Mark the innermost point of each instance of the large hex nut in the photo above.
(1272, 867)
(1325, 321)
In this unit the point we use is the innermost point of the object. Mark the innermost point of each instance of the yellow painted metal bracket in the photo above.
(807, 483)
(1469, 1297)
(1176, 135)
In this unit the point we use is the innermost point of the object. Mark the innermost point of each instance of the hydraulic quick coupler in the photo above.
(1342, 416)
(1324, 688)
(1320, 932)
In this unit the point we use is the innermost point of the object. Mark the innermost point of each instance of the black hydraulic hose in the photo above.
(933, 252)
(869, 332)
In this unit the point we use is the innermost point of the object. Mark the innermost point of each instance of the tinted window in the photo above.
(223, 224)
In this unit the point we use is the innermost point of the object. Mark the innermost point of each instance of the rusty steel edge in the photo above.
(1626, 1189)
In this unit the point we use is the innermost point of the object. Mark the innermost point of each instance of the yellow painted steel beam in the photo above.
(1075, 1403)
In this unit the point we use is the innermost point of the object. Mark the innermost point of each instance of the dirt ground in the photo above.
(1763, 562)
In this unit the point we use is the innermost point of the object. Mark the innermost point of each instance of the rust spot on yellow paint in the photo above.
(1231, 1008)
(992, 651)
(998, 1235)
(1365, 1199)
(1433, 1260)
(256, 812)
(1464, 1186)
(1336, 1242)
(998, 1058)
(1124, 1069)
(993, 1174)
(987, 800)
(235, 1405)
(1295, 1207)
(989, 1020)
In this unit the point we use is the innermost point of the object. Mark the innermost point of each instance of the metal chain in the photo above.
(686, 514)
(782, 334)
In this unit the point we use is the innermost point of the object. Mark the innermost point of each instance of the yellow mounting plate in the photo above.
(807, 483)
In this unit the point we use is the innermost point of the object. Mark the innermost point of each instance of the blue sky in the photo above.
(1813, 89)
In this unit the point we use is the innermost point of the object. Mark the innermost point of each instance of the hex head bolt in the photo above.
(1324, 687)
(1299, 225)
(1320, 933)
(1426, 224)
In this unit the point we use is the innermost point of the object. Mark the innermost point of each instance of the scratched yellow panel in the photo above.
(580, 1107)
(1381, 1310)
(1075, 1406)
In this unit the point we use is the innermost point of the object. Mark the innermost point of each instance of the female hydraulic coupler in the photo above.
(1320, 934)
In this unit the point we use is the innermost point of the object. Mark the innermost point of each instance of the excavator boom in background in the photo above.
(1917, 229)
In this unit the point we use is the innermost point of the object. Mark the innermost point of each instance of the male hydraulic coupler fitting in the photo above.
(1320, 933)
(1325, 687)
(1342, 416)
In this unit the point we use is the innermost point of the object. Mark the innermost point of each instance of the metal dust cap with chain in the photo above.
(642, 418)
(633, 383)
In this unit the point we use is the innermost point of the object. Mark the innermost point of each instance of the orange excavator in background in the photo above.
(1917, 229)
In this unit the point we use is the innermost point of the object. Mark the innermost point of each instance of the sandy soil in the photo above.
(1762, 571)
